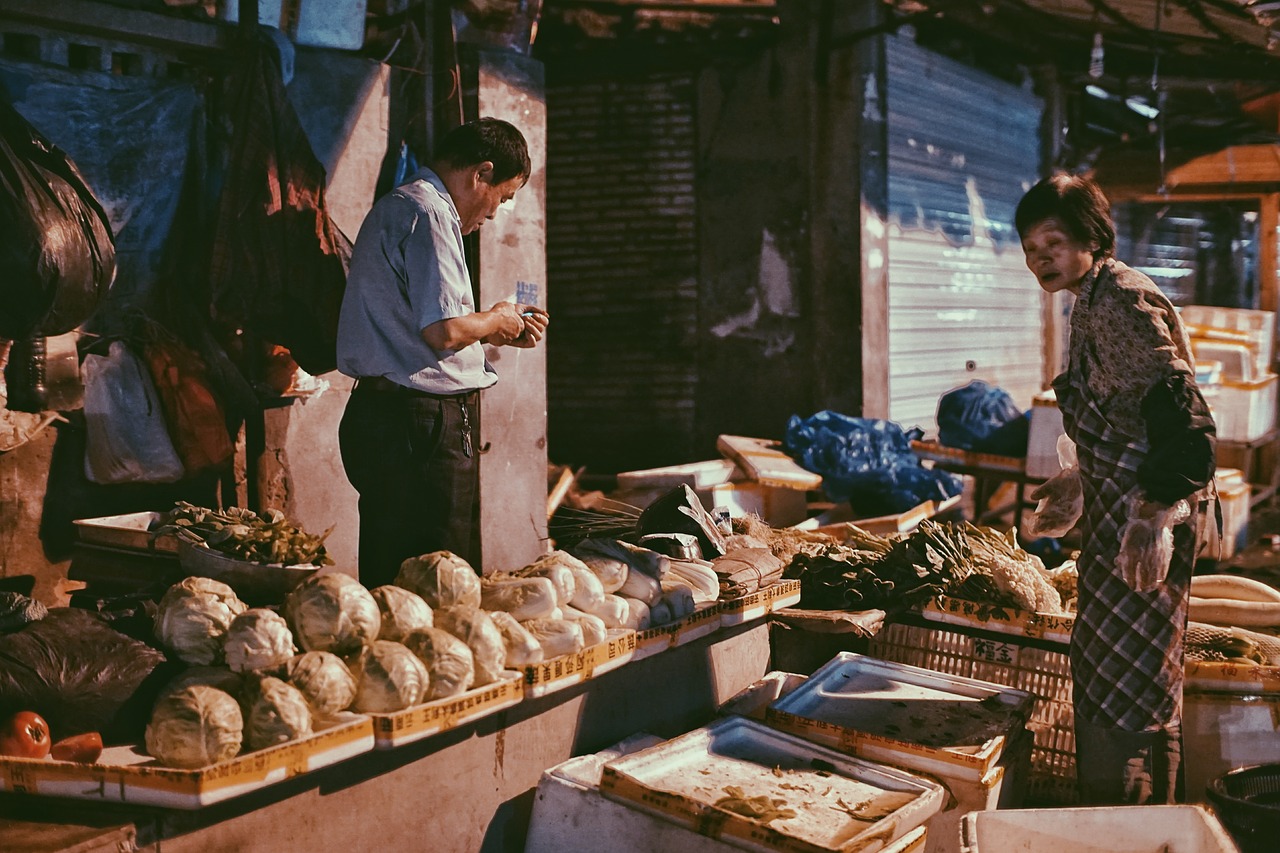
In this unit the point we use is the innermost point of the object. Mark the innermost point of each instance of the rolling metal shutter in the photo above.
(963, 147)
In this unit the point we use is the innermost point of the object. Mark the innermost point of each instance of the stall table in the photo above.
(466, 789)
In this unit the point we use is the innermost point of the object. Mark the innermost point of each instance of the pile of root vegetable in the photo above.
(865, 571)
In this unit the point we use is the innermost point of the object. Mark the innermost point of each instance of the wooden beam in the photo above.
(117, 24)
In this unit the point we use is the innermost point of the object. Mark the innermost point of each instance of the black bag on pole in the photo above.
(57, 252)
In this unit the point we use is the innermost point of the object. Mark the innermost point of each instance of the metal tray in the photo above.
(760, 789)
(892, 711)
(131, 530)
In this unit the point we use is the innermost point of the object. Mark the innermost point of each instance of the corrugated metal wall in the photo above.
(622, 271)
(964, 146)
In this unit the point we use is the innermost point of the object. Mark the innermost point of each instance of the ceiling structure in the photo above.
(1183, 77)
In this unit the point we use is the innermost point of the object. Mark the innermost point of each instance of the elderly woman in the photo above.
(1145, 445)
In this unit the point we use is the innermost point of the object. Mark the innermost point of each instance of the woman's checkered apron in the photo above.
(1126, 646)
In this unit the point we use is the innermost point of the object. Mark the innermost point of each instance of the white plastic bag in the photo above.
(1146, 542)
(126, 438)
(1061, 497)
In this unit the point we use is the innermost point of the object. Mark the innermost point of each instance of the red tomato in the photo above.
(83, 748)
(25, 735)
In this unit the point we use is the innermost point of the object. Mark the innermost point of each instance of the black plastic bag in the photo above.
(56, 247)
(982, 417)
(81, 675)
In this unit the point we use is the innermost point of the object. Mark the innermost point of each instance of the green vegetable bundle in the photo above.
(243, 534)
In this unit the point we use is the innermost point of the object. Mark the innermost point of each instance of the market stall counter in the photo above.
(466, 789)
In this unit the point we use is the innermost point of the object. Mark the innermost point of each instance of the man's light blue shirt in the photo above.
(408, 271)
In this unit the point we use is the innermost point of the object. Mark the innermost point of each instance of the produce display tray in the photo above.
(704, 620)
(984, 616)
(429, 718)
(735, 611)
(716, 781)
(124, 774)
(568, 670)
(131, 531)
(892, 712)
(935, 452)
(1225, 677)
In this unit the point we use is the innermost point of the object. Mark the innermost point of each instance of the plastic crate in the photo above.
(1043, 673)
(1248, 802)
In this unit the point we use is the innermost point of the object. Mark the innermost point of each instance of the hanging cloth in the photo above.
(279, 263)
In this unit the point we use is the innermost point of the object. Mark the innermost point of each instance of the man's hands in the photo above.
(517, 325)
(505, 324)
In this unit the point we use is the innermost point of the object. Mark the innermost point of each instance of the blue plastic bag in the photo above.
(982, 417)
(867, 462)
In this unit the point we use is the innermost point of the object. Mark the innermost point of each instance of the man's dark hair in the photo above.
(1077, 202)
(490, 139)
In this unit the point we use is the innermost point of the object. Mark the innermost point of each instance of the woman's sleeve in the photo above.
(1159, 382)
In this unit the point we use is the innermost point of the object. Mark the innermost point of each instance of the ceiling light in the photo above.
(1141, 107)
(1097, 92)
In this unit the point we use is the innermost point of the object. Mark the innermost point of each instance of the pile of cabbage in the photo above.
(258, 678)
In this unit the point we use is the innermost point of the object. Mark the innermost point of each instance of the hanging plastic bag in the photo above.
(1061, 497)
(56, 247)
(197, 422)
(126, 438)
(1146, 541)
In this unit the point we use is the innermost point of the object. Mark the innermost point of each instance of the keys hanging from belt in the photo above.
(466, 429)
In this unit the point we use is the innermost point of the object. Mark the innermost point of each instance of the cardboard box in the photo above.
(568, 670)
(128, 775)
(735, 611)
(779, 507)
(705, 620)
(429, 718)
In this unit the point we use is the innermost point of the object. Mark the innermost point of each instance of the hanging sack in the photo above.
(196, 419)
(56, 248)
(126, 438)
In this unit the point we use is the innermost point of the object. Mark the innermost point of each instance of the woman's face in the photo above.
(1058, 260)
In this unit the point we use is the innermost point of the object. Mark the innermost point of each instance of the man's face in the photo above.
(1058, 260)
(480, 199)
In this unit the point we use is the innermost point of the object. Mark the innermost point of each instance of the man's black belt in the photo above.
(383, 385)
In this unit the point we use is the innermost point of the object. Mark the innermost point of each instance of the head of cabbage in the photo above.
(193, 618)
(442, 578)
(257, 638)
(195, 726)
(402, 611)
(391, 678)
(276, 712)
(324, 679)
(332, 613)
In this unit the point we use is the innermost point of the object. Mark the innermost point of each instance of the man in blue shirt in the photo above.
(410, 334)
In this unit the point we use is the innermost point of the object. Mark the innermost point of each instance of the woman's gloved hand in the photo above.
(1061, 497)
(1061, 500)
(1146, 541)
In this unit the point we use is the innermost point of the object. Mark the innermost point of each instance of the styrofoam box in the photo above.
(1223, 731)
(1239, 361)
(1042, 436)
(1243, 411)
(1112, 829)
(570, 815)
(852, 701)
(1258, 326)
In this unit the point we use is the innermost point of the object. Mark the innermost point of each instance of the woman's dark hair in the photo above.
(490, 139)
(1078, 202)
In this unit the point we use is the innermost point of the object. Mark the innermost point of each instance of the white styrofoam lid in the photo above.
(820, 795)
